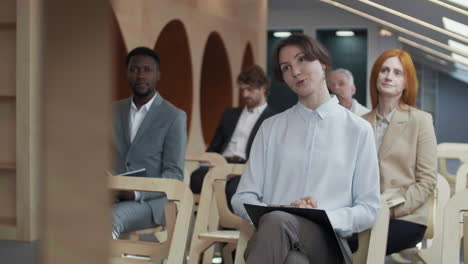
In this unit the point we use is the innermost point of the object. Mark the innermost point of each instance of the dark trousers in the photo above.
(196, 183)
(286, 238)
(401, 235)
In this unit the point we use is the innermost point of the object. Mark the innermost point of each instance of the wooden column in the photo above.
(78, 64)
(28, 80)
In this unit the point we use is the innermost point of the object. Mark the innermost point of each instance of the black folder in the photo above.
(316, 215)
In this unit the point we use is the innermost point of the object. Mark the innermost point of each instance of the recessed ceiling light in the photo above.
(451, 7)
(432, 51)
(414, 20)
(460, 2)
(282, 34)
(385, 33)
(344, 33)
(461, 59)
(455, 26)
(458, 45)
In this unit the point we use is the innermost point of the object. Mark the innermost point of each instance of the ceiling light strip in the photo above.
(415, 20)
(451, 7)
(403, 30)
(431, 51)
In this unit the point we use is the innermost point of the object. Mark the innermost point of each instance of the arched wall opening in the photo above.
(247, 61)
(215, 85)
(176, 83)
(121, 85)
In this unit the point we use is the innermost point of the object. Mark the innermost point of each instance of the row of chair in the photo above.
(447, 185)
(215, 223)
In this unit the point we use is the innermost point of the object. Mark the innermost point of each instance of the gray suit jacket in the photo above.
(158, 146)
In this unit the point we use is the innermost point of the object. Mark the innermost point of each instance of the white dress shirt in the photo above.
(238, 143)
(136, 118)
(328, 153)
(358, 108)
(381, 127)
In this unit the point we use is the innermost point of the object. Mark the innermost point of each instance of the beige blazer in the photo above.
(408, 161)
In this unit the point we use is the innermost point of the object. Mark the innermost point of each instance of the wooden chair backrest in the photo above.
(213, 189)
(176, 191)
(462, 174)
(457, 151)
(193, 158)
(227, 218)
(437, 203)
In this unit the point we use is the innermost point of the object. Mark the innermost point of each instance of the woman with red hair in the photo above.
(406, 146)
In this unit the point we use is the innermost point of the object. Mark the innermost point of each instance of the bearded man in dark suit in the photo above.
(238, 127)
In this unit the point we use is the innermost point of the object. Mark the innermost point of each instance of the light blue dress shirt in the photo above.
(328, 153)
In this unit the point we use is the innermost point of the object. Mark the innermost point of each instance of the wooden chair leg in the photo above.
(246, 232)
(465, 235)
(208, 255)
(227, 253)
(197, 250)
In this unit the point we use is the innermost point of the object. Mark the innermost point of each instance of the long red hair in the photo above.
(409, 72)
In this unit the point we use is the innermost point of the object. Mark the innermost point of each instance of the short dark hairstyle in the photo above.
(143, 51)
(255, 76)
(311, 48)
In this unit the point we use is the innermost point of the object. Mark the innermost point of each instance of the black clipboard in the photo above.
(316, 215)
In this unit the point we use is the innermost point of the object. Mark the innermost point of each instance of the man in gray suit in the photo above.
(148, 133)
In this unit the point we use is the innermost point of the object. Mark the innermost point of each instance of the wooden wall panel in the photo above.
(247, 61)
(7, 11)
(7, 60)
(176, 84)
(77, 104)
(216, 85)
(7, 131)
(8, 217)
(7, 195)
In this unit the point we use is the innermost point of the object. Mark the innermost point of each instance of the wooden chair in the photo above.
(246, 232)
(372, 242)
(213, 190)
(192, 162)
(182, 201)
(452, 232)
(457, 151)
(462, 174)
(434, 229)
(163, 233)
(435, 226)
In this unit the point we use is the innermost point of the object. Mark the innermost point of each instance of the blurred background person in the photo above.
(341, 83)
(238, 126)
(406, 146)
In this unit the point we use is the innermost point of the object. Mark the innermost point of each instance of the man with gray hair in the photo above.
(341, 83)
